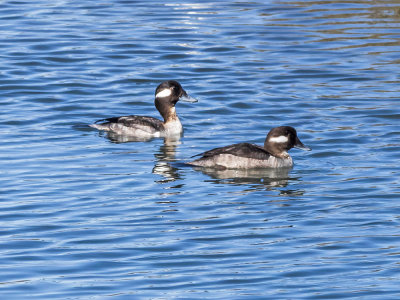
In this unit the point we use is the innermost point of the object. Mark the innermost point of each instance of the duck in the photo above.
(274, 154)
(167, 94)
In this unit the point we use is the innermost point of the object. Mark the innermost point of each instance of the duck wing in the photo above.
(240, 150)
(135, 122)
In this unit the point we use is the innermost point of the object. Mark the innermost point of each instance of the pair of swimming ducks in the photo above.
(274, 154)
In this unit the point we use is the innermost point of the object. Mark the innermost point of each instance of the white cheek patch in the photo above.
(164, 93)
(279, 139)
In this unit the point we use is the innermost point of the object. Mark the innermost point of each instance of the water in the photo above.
(90, 216)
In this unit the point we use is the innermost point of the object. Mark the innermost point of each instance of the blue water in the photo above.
(85, 215)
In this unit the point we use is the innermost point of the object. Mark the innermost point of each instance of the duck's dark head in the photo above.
(167, 94)
(281, 139)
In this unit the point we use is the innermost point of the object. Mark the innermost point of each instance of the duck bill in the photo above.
(185, 97)
(300, 145)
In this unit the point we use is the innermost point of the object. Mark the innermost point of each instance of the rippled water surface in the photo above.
(85, 215)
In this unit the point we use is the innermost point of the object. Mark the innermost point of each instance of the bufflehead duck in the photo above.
(246, 156)
(167, 94)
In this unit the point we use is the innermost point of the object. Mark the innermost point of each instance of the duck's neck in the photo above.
(172, 124)
(276, 150)
(166, 110)
(169, 115)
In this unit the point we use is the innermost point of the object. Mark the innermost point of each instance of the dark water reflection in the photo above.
(90, 215)
(165, 155)
(264, 177)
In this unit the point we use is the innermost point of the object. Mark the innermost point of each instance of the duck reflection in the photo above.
(255, 179)
(122, 138)
(272, 177)
(164, 156)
